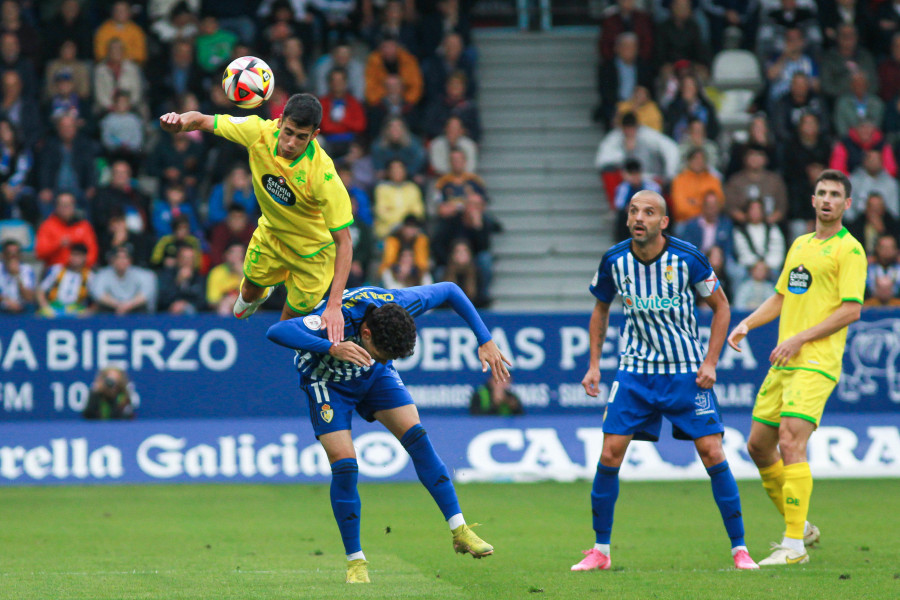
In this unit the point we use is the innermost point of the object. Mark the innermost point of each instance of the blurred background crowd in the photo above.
(101, 211)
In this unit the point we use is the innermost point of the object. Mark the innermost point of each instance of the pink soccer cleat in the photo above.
(594, 559)
(742, 560)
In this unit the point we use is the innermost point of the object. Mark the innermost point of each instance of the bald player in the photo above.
(663, 370)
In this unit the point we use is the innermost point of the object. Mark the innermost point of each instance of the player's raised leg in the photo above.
(250, 299)
(403, 422)
(345, 501)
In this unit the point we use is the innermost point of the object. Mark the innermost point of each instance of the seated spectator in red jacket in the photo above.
(848, 153)
(343, 117)
(62, 229)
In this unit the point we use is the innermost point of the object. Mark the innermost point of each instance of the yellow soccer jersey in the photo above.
(303, 200)
(818, 276)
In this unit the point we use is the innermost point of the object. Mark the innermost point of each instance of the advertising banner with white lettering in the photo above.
(528, 448)
(211, 367)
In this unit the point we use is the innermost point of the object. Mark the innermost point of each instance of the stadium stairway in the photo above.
(537, 90)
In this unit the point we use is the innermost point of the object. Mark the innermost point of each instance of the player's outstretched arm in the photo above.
(597, 333)
(332, 317)
(706, 374)
(190, 121)
(491, 357)
(767, 312)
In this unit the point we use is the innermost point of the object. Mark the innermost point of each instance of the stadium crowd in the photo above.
(830, 99)
(102, 211)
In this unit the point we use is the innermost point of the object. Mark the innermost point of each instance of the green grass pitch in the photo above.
(279, 541)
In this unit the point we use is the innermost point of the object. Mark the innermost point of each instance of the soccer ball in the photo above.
(248, 81)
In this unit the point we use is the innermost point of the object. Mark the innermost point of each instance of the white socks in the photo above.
(794, 545)
(603, 548)
(455, 521)
(737, 549)
(356, 555)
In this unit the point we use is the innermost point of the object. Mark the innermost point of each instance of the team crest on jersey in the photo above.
(704, 404)
(327, 413)
(670, 273)
(278, 189)
(799, 280)
(313, 322)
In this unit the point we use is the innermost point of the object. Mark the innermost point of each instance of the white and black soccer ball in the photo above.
(248, 81)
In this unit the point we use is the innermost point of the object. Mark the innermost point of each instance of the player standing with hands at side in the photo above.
(302, 238)
(662, 370)
(820, 292)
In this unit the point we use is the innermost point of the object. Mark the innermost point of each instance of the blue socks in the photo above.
(431, 470)
(725, 491)
(345, 502)
(603, 501)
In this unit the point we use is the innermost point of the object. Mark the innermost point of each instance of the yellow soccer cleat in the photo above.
(358, 571)
(465, 540)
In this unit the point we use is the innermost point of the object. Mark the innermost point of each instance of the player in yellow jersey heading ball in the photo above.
(820, 292)
(302, 238)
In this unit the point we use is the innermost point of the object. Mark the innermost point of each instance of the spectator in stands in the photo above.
(451, 188)
(68, 62)
(17, 200)
(869, 177)
(109, 397)
(334, 20)
(63, 99)
(889, 72)
(792, 60)
(643, 106)
(290, 67)
(122, 131)
(121, 194)
(633, 181)
(397, 143)
(495, 398)
(657, 152)
(173, 20)
(710, 228)
(695, 137)
(116, 233)
(17, 280)
(874, 223)
(410, 236)
(224, 281)
(779, 16)
(622, 17)
(886, 264)
(848, 152)
(363, 248)
(758, 135)
(117, 74)
(61, 230)
(755, 182)
(405, 273)
(619, 76)
(805, 158)
(176, 76)
(172, 205)
(798, 101)
(731, 23)
(392, 105)
(396, 197)
(357, 194)
(852, 12)
(449, 59)
(341, 56)
(756, 240)
(887, 19)
(391, 58)
(691, 186)
(122, 28)
(285, 20)
(166, 249)
(453, 103)
(236, 189)
(454, 137)
(343, 117)
(20, 109)
(70, 26)
(883, 296)
(11, 59)
(214, 45)
(64, 290)
(235, 228)
(840, 62)
(751, 293)
(679, 38)
(180, 157)
(66, 164)
(394, 23)
(11, 21)
(462, 270)
(123, 288)
(690, 103)
(857, 104)
(182, 289)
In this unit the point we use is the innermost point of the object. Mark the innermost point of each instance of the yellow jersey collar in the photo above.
(309, 153)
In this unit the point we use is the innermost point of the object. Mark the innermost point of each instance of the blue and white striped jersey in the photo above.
(660, 333)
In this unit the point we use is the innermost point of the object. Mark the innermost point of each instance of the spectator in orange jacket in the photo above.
(343, 117)
(62, 229)
(388, 58)
(121, 26)
(690, 187)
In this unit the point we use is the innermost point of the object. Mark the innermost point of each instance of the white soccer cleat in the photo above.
(243, 309)
(782, 555)
(811, 535)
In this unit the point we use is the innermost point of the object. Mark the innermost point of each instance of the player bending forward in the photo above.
(820, 292)
(357, 374)
(662, 370)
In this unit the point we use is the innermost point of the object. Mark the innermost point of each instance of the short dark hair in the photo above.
(8, 243)
(78, 247)
(304, 110)
(393, 330)
(835, 175)
(632, 165)
(629, 119)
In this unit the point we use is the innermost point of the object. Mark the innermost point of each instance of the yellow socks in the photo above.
(773, 482)
(797, 490)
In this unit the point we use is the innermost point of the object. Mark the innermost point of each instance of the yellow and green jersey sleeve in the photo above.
(241, 130)
(818, 276)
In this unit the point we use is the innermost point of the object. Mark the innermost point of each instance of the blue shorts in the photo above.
(637, 403)
(331, 404)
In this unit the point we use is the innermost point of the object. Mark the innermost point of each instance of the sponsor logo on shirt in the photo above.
(799, 280)
(670, 273)
(652, 303)
(279, 190)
